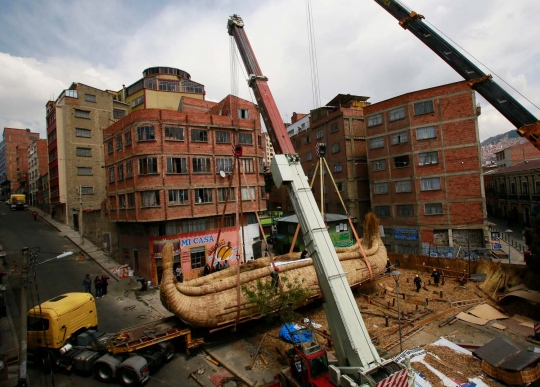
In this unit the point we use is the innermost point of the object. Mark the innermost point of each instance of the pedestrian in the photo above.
(178, 273)
(304, 254)
(219, 266)
(226, 264)
(15, 268)
(144, 284)
(53, 213)
(87, 283)
(206, 269)
(275, 278)
(436, 276)
(35, 215)
(97, 285)
(388, 266)
(418, 283)
(104, 284)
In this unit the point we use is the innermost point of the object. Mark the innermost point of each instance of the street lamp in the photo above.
(396, 274)
(508, 232)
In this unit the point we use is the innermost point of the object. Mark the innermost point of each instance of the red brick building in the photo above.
(425, 170)
(164, 182)
(517, 154)
(16, 163)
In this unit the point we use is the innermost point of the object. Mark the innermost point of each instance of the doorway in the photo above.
(76, 220)
(136, 261)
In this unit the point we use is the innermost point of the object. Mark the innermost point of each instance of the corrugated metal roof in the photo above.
(520, 167)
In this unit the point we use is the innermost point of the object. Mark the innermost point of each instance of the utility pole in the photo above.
(23, 375)
(80, 215)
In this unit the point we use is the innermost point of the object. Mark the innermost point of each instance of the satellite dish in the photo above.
(222, 174)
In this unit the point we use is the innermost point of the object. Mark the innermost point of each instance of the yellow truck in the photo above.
(18, 202)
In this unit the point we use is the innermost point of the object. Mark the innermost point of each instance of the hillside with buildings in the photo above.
(497, 143)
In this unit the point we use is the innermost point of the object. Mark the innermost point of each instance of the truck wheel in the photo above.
(128, 377)
(104, 372)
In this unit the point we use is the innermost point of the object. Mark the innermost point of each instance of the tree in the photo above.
(281, 301)
(532, 239)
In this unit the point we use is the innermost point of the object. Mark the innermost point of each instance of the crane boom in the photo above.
(352, 342)
(526, 123)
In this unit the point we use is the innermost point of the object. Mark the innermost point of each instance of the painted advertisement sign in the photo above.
(406, 234)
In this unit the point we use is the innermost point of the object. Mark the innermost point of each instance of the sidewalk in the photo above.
(91, 250)
(515, 238)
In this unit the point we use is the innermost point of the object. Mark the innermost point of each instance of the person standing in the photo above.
(436, 276)
(35, 215)
(418, 283)
(178, 273)
(206, 269)
(226, 264)
(104, 285)
(97, 285)
(219, 266)
(275, 278)
(53, 213)
(87, 283)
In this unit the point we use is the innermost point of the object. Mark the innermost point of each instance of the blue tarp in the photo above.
(288, 332)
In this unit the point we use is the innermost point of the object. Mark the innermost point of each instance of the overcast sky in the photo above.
(47, 45)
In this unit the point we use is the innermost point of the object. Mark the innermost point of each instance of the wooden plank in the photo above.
(429, 319)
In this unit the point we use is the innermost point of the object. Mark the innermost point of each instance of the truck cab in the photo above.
(18, 202)
(309, 366)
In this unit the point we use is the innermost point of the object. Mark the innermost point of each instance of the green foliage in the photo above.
(532, 239)
(281, 301)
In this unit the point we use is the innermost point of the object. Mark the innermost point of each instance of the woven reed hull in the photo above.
(212, 300)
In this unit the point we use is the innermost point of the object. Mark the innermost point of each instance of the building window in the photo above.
(310, 173)
(524, 188)
(259, 141)
(112, 202)
(537, 187)
(338, 167)
(110, 147)
(405, 210)
(428, 158)
(84, 171)
(423, 107)
(401, 161)
(297, 143)
(334, 127)
(137, 101)
(403, 186)
(513, 190)
(433, 209)
(120, 170)
(380, 188)
(119, 143)
(319, 134)
(90, 98)
(248, 165)
(225, 165)
(84, 152)
(129, 169)
(397, 114)
(245, 138)
(375, 120)
(382, 211)
(335, 147)
(263, 192)
(378, 165)
(307, 140)
(118, 113)
(82, 114)
(79, 132)
(178, 196)
(309, 156)
(198, 135)
(223, 137)
(399, 138)
(243, 113)
(431, 184)
(72, 93)
(222, 194)
(131, 200)
(150, 199)
(198, 257)
(426, 132)
(203, 195)
(127, 138)
(122, 201)
(193, 225)
(87, 190)
(377, 142)
(201, 165)
(111, 175)
(176, 165)
(145, 133)
(246, 195)
(148, 166)
(174, 133)
(339, 187)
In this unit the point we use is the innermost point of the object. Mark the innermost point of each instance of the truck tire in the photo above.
(127, 377)
(104, 373)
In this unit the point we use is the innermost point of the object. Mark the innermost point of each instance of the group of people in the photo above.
(101, 283)
(418, 281)
(218, 267)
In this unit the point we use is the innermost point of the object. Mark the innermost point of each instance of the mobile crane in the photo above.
(359, 363)
(527, 125)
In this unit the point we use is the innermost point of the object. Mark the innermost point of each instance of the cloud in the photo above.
(361, 49)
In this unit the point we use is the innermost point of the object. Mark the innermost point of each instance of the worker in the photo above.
(304, 254)
(275, 278)
(226, 264)
(35, 214)
(219, 266)
(206, 269)
(388, 266)
(144, 284)
(436, 276)
(418, 282)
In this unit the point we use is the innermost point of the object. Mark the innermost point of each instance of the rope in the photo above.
(316, 93)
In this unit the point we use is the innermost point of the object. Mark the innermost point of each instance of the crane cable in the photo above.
(233, 67)
(315, 89)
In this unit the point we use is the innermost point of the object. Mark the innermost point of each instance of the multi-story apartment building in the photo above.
(37, 167)
(517, 154)
(43, 193)
(425, 170)
(269, 150)
(75, 123)
(168, 172)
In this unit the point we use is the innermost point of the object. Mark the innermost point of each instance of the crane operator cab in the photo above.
(310, 364)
